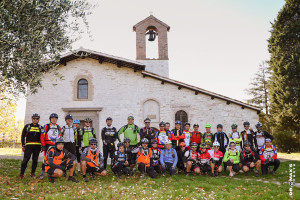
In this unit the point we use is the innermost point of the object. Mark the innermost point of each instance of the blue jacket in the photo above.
(168, 156)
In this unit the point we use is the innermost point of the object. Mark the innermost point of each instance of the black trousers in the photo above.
(70, 146)
(235, 167)
(78, 154)
(158, 169)
(33, 150)
(149, 170)
(205, 167)
(265, 167)
(169, 169)
(108, 150)
(120, 169)
(180, 165)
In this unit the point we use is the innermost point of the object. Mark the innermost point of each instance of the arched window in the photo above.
(82, 89)
(181, 116)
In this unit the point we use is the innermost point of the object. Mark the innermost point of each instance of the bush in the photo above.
(287, 141)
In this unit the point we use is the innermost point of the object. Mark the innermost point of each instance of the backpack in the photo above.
(173, 155)
(64, 128)
(29, 127)
(135, 130)
(91, 131)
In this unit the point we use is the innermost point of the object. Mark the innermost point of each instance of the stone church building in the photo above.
(98, 85)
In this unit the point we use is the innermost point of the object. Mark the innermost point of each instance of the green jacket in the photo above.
(131, 132)
(234, 156)
(86, 135)
(236, 140)
(207, 136)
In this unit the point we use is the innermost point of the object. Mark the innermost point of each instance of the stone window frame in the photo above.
(187, 114)
(152, 99)
(90, 88)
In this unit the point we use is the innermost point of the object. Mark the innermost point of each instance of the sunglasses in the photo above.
(35, 118)
(147, 122)
(93, 144)
(194, 146)
(88, 122)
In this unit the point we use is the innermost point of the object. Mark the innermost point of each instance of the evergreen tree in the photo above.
(284, 47)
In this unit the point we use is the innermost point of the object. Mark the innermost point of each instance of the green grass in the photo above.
(176, 187)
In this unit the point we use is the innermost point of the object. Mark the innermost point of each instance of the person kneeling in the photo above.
(232, 159)
(204, 159)
(58, 160)
(168, 159)
(249, 159)
(191, 159)
(216, 159)
(92, 161)
(120, 162)
(155, 154)
(144, 160)
(268, 156)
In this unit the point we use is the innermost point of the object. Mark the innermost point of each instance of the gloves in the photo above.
(266, 162)
(105, 143)
(44, 148)
(173, 167)
(23, 148)
(163, 166)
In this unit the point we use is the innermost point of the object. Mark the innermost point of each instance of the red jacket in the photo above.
(204, 157)
(196, 137)
(45, 139)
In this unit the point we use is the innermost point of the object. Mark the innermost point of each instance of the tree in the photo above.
(33, 34)
(284, 47)
(8, 108)
(260, 92)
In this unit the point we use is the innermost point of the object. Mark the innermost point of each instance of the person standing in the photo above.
(147, 131)
(31, 144)
(109, 135)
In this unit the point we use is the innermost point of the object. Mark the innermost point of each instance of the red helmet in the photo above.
(182, 144)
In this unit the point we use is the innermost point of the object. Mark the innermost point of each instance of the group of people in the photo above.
(151, 152)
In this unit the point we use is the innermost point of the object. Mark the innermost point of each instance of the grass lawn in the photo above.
(176, 187)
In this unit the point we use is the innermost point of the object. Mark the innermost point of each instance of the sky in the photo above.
(216, 45)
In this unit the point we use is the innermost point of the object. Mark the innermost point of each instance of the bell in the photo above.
(152, 35)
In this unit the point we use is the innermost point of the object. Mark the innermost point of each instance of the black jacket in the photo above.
(223, 140)
(249, 137)
(147, 133)
(109, 135)
(31, 134)
(248, 157)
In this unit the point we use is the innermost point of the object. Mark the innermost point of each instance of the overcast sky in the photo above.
(216, 45)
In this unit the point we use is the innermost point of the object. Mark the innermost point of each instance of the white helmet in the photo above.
(216, 144)
(168, 142)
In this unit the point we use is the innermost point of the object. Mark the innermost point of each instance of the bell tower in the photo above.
(154, 29)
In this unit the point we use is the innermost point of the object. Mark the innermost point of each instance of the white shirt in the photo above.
(69, 133)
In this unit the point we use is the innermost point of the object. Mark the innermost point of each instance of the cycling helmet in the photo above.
(130, 117)
(194, 145)
(182, 144)
(268, 140)
(258, 125)
(168, 142)
(208, 142)
(246, 123)
(144, 141)
(216, 144)
(53, 115)
(247, 143)
(59, 140)
(162, 123)
(127, 140)
(35, 115)
(154, 141)
(109, 118)
(93, 141)
(120, 144)
(234, 126)
(76, 121)
(147, 120)
(219, 126)
(178, 122)
(232, 142)
(87, 119)
(68, 117)
(203, 146)
(207, 125)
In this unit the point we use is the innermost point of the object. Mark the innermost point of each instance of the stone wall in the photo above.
(121, 91)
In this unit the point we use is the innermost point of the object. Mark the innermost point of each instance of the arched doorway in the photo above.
(182, 116)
